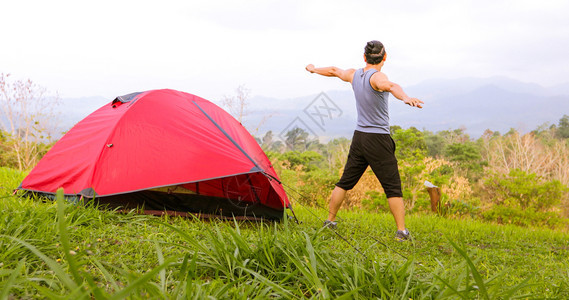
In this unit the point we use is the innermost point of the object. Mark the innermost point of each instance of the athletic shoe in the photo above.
(402, 235)
(330, 224)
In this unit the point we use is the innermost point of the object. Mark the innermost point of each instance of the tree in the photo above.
(278, 146)
(411, 145)
(237, 106)
(563, 127)
(411, 151)
(467, 156)
(307, 160)
(337, 153)
(297, 139)
(267, 140)
(27, 118)
(435, 143)
(528, 154)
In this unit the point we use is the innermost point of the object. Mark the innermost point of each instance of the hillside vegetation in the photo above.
(502, 178)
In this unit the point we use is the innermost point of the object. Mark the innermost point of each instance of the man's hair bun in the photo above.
(374, 52)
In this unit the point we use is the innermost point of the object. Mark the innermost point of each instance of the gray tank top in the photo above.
(372, 106)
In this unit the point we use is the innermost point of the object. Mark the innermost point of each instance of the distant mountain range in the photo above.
(476, 104)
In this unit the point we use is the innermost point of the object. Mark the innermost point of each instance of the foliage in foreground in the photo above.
(57, 250)
(277, 262)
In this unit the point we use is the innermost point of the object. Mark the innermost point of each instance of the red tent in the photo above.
(166, 150)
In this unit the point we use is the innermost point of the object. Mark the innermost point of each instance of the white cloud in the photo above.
(210, 47)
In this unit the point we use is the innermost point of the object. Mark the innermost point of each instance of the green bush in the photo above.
(307, 160)
(375, 202)
(309, 188)
(519, 189)
(467, 157)
(410, 144)
(525, 199)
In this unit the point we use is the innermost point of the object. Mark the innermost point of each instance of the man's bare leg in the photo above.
(395, 205)
(336, 200)
(397, 209)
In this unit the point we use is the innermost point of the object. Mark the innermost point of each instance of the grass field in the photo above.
(59, 250)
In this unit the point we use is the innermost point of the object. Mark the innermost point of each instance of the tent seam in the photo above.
(90, 179)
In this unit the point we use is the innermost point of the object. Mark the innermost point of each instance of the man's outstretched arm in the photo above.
(379, 82)
(345, 75)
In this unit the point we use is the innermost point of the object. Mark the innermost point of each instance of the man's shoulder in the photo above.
(348, 75)
(380, 76)
(377, 80)
(351, 71)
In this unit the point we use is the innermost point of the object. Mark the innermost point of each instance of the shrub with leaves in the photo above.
(467, 158)
(524, 198)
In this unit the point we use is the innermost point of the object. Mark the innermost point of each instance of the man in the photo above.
(372, 143)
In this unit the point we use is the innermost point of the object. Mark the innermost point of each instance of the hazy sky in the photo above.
(209, 48)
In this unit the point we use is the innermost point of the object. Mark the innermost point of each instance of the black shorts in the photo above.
(375, 150)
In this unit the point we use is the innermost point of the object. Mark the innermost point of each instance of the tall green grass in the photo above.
(57, 250)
